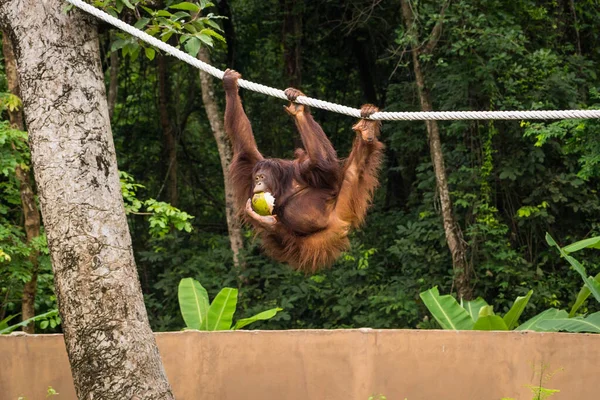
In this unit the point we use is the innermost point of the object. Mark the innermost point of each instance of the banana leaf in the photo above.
(474, 306)
(446, 310)
(592, 243)
(193, 303)
(531, 324)
(4, 322)
(221, 310)
(584, 293)
(592, 285)
(578, 324)
(490, 323)
(512, 316)
(258, 317)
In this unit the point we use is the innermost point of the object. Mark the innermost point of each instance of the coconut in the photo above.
(263, 203)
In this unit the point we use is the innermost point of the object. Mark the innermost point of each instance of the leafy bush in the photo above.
(478, 315)
(216, 316)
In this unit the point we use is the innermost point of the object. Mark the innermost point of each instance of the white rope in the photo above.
(325, 105)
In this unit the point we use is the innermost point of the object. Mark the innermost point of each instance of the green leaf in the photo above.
(486, 311)
(474, 306)
(220, 312)
(445, 309)
(577, 324)
(118, 44)
(177, 16)
(193, 303)
(192, 46)
(186, 6)
(112, 12)
(212, 24)
(205, 38)
(135, 53)
(588, 280)
(531, 324)
(512, 316)
(210, 32)
(4, 322)
(490, 323)
(142, 22)
(150, 53)
(43, 317)
(550, 241)
(584, 293)
(593, 243)
(191, 28)
(148, 10)
(258, 317)
(166, 36)
(128, 4)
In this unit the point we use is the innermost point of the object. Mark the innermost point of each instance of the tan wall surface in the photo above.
(334, 365)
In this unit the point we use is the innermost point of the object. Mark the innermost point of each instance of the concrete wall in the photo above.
(334, 365)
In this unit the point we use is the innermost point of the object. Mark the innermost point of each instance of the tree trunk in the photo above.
(366, 68)
(454, 238)
(111, 348)
(215, 118)
(168, 128)
(229, 32)
(113, 84)
(292, 37)
(31, 213)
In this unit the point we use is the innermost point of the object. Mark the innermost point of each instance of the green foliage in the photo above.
(50, 318)
(478, 315)
(378, 397)
(538, 390)
(532, 323)
(578, 137)
(557, 320)
(10, 102)
(447, 312)
(512, 316)
(591, 243)
(590, 282)
(471, 315)
(50, 392)
(591, 323)
(193, 302)
(162, 216)
(15, 264)
(510, 181)
(181, 20)
(218, 316)
(584, 293)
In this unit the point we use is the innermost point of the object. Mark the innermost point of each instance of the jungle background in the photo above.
(510, 181)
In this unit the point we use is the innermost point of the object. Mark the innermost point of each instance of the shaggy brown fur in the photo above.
(318, 199)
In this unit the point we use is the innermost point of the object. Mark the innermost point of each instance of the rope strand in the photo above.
(325, 105)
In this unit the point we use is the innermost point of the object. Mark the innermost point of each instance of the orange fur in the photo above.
(318, 199)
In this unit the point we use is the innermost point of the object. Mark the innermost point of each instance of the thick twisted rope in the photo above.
(325, 105)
